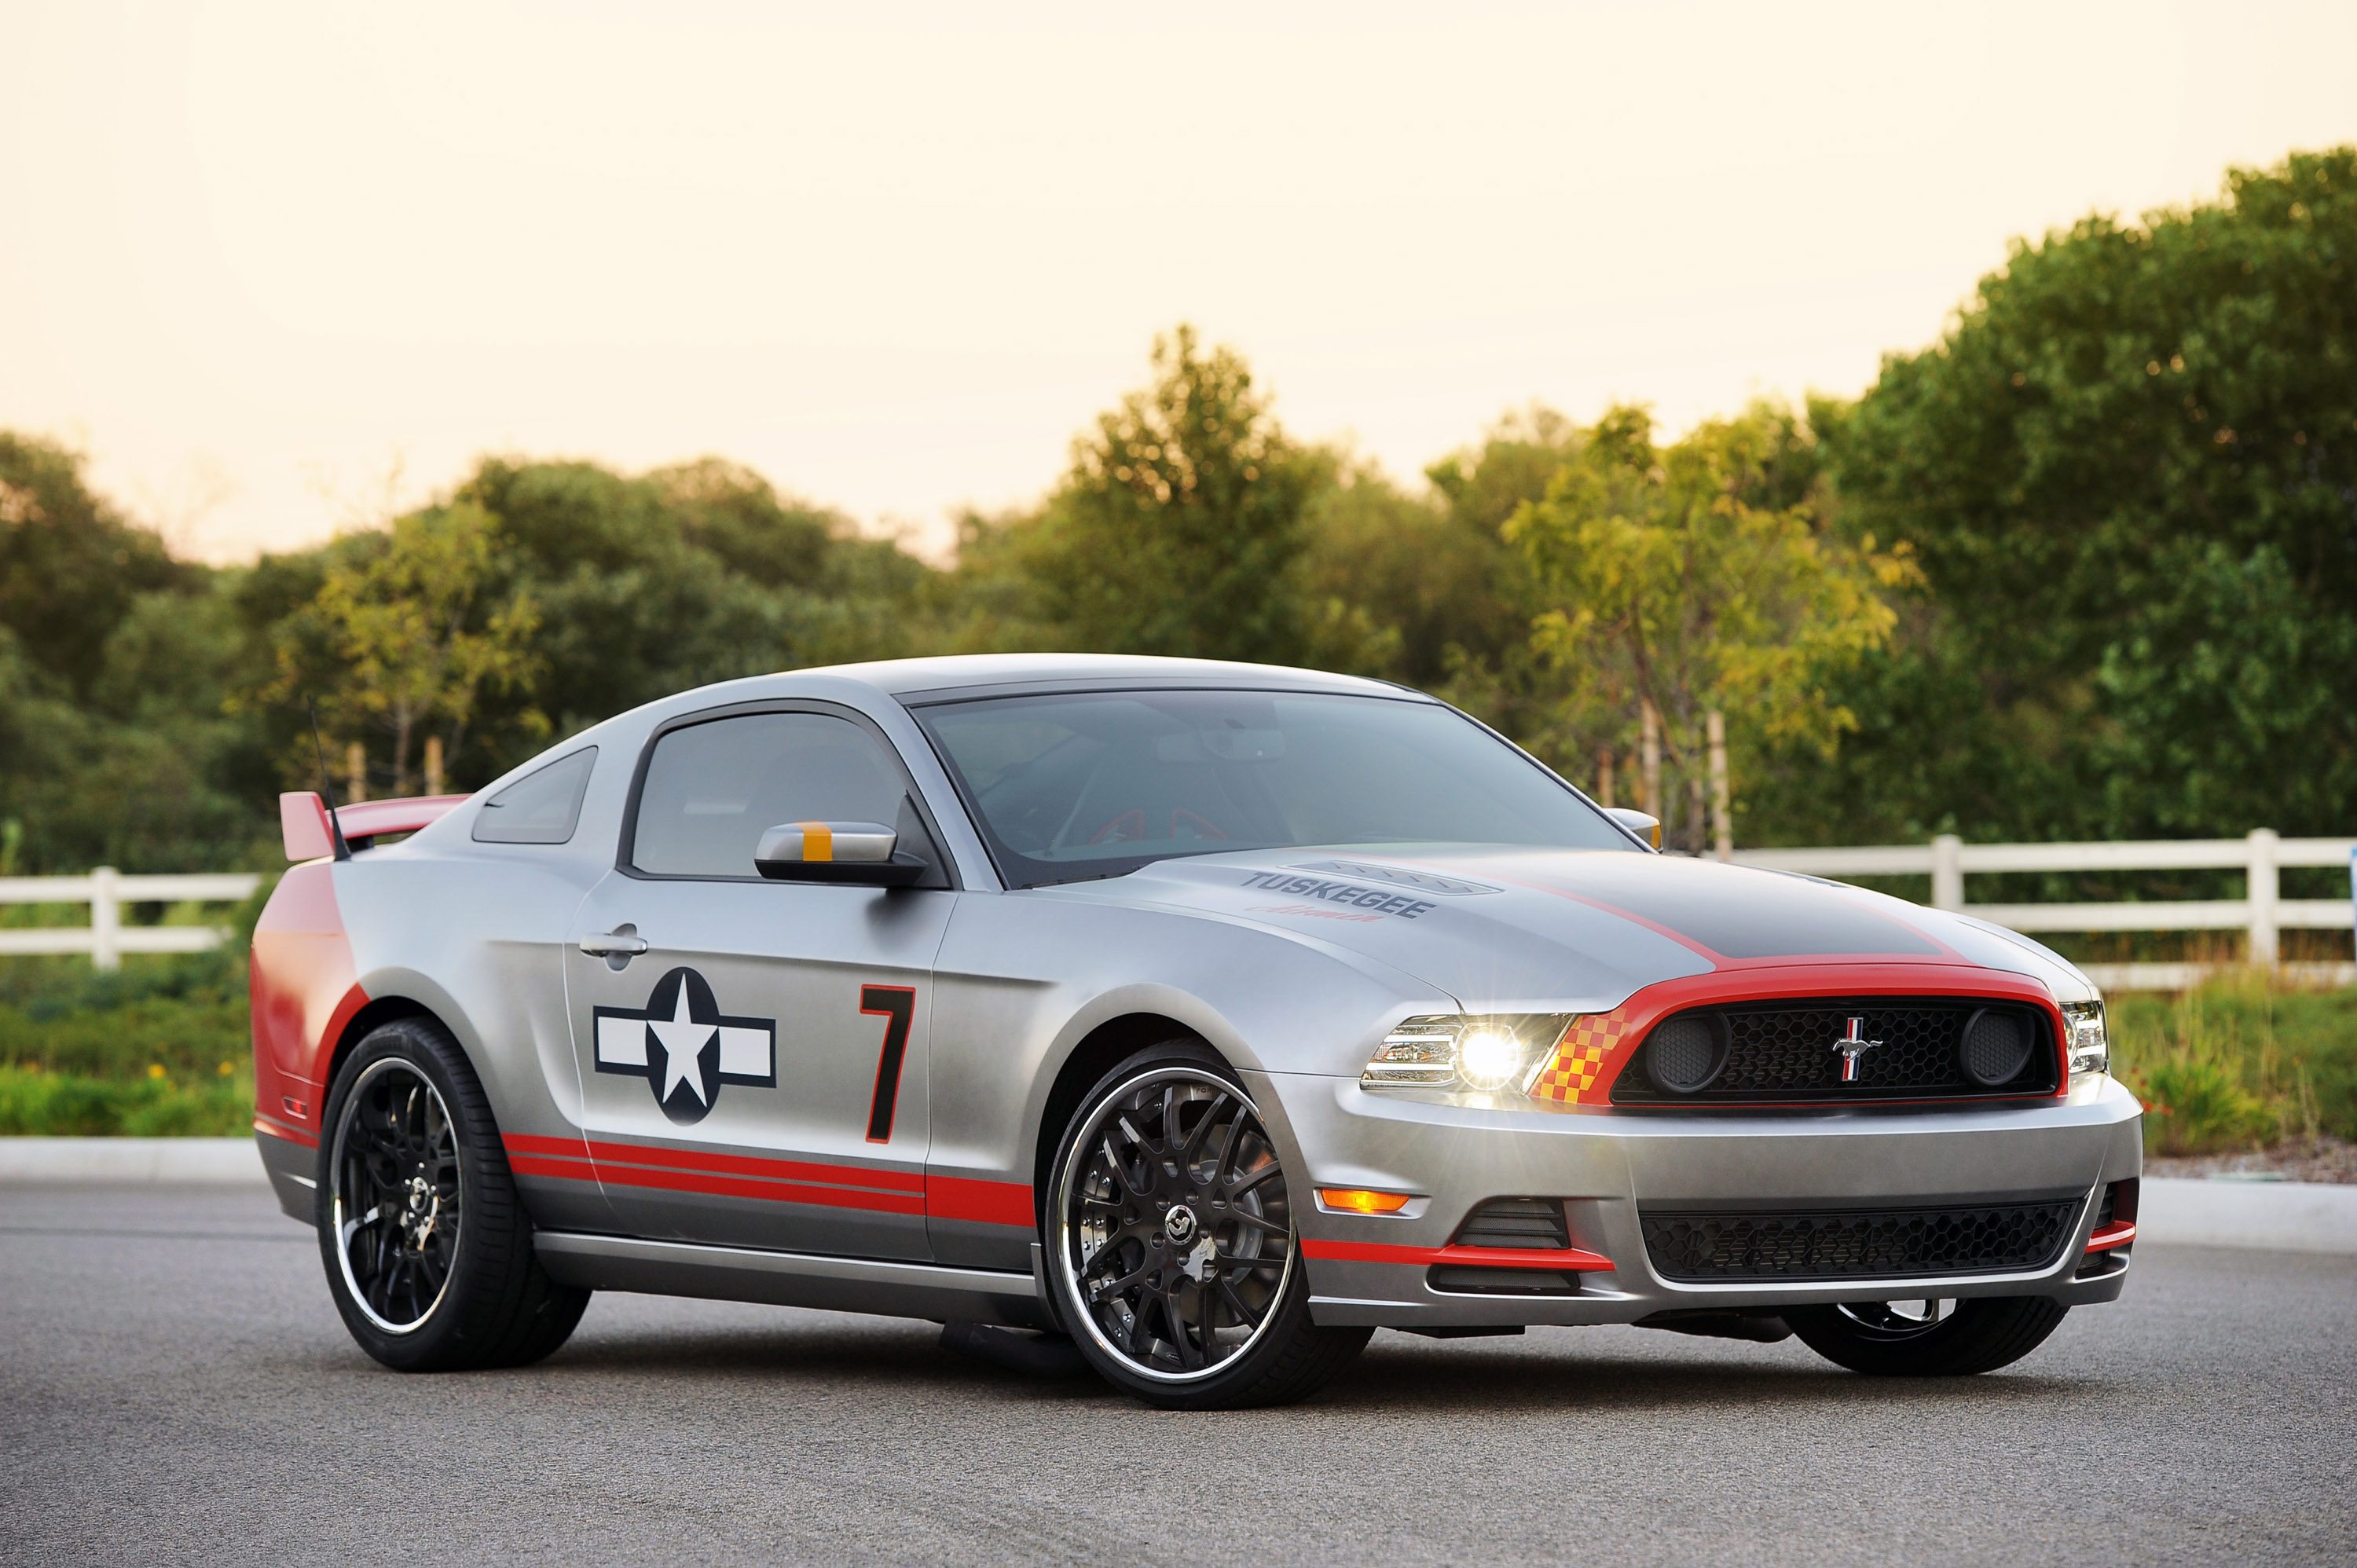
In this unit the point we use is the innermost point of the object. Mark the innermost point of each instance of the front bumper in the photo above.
(1459, 1150)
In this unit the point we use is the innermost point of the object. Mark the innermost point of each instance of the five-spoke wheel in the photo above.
(1171, 1239)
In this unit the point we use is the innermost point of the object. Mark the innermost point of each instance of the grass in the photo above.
(158, 1048)
(2241, 1063)
(72, 1105)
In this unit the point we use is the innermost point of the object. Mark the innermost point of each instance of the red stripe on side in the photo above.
(989, 1202)
(567, 1170)
(908, 1182)
(525, 1144)
(291, 1134)
(1571, 1258)
(780, 1181)
(774, 1191)
(722, 1176)
(2118, 1233)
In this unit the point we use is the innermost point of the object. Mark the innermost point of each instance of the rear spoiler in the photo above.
(303, 821)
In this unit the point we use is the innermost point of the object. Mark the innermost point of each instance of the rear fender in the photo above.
(306, 991)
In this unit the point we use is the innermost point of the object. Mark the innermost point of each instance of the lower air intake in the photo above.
(1516, 1222)
(1866, 1244)
(1525, 1223)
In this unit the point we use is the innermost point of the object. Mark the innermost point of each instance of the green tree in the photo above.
(1668, 583)
(417, 641)
(1178, 528)
(113, 662)
(1425, 575)
(70, 566)
(2126, 470)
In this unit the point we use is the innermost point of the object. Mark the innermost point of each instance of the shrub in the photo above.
(34, 1103)
(2242, 1061)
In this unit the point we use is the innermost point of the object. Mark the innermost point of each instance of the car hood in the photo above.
(1568, 930)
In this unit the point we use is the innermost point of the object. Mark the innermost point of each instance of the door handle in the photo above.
(608, 944)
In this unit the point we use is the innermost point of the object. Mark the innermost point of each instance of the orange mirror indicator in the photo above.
(1357, 1200)
(818, 841)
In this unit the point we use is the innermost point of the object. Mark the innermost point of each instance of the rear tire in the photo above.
(1168, 1212)
(427, 1249)
(1981, 1335)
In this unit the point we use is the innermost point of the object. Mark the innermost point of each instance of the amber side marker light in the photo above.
(1357, 1200)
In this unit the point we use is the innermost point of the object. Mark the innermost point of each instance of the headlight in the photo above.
(1453, 1052)
(1489, 1058)
(2091, 1047)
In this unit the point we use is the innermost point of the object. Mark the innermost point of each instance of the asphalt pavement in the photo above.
(174, 1386)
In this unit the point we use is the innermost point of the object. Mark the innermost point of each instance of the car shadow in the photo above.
(1398, 1374)
(895, 1353)
(1403, 1376)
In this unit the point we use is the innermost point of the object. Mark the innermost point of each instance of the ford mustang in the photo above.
(1198, 1019)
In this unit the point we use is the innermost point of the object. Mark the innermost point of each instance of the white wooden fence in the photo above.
(2261, 913)
(106, 938)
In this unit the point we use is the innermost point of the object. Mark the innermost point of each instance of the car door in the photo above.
(753, 1053)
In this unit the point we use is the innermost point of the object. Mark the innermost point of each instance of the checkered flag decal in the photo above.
(1579, 1055)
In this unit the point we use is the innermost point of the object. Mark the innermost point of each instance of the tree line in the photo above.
(2086, 566)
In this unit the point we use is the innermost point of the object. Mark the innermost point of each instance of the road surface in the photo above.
(174, 1386)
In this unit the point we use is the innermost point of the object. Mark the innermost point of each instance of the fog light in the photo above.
(1489, 1059)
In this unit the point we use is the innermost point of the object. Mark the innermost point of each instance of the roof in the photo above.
(1015, 671)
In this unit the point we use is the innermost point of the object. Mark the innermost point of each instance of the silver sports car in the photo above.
(1204, 1016)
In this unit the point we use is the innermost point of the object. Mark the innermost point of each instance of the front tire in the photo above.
(1928, 1338)
(1170, 1244)
(427, 1250)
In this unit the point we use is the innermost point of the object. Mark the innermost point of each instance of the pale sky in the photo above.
(278, 267)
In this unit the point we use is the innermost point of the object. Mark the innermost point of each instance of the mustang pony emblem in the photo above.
(1853, 1046)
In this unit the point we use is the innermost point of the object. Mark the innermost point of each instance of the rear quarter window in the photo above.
(542, 806)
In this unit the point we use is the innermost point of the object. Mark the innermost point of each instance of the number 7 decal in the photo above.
(898, 1005)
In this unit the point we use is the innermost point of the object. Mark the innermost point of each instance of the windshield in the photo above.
(1100, 784)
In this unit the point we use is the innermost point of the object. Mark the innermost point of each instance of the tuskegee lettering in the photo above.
(1374, 898)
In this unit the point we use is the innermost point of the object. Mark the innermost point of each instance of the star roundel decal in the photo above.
(684, 1047)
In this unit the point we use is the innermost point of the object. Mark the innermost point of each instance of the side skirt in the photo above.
(791, 1279)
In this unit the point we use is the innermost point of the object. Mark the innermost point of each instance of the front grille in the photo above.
(1862, 1244)
(1516, 1222)
(1784, 1052)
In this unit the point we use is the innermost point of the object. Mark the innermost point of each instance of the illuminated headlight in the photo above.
(1489, 1058)
(2091, 1047)
(1451, 1051)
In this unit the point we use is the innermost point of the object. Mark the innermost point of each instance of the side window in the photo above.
(542, 806)
(713, 788)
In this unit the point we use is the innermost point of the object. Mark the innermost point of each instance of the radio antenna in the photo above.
(327, 785)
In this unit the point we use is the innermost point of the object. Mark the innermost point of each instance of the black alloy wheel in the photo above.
(428, 1252)
(396, 1201)
(1920, 1339)
(1171, 1241)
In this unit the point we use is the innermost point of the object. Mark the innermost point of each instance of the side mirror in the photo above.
(1638, 822)
(857, 854)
